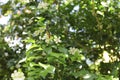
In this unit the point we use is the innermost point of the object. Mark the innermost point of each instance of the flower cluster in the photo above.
(17, 75)
(46, 38)
(14, 42)
(43, 5)
(106, 57)
(50, 39)
(73, 50)
(57, 39)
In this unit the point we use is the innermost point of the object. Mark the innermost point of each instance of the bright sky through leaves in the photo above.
(4, 20)
(3, 2)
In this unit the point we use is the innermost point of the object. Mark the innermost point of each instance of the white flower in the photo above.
(28, 46)
(17, 65)
(106, 57)
(73, 50)
(6, 54)
(57, 39)
(42, 5)
(46, 38)
(13, 42)
(21, 45)
(18, 51)
(87, 76)
(17, 75)
(105, 4)
(7, 39)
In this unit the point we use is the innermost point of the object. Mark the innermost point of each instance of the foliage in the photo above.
(60, 40)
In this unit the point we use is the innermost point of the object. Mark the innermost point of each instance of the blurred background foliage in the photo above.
(60, 39)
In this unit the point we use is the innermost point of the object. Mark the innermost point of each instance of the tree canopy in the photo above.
(60, 40)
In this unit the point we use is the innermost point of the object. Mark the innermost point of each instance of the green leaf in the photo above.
(77, 57)
(29, 40)
(32, 64)
(44, 73)
(80, 73)
(31, 58)
(63, 50)
(45, 66)
(33, 48)
(48, 50)
(47, 69)
(51, 69)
